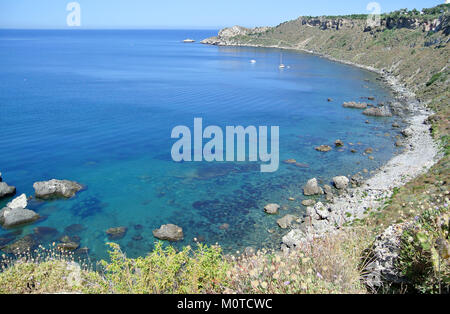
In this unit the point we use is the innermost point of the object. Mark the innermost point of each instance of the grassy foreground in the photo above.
(333, 264)
(329, 265)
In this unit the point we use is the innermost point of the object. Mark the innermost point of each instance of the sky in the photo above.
(187, 14)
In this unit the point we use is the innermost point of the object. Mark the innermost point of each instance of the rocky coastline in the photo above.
(420, 154)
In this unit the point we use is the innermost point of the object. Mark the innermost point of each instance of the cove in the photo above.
(98, 108)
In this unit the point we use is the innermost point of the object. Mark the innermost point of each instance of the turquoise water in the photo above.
(98, 107)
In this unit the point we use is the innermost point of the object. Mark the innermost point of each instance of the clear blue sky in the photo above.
(182, 13)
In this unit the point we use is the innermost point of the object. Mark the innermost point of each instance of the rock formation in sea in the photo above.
(56, 189)
(16, 213)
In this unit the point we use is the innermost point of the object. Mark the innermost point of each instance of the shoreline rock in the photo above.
(341, 182)
(312, 188)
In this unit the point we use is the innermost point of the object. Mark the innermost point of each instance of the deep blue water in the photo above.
(98, 107)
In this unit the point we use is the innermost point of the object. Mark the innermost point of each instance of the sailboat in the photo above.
(281, 66)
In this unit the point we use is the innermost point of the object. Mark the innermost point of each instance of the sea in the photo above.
(98, 107)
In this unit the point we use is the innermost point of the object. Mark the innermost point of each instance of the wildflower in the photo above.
(264, 285)
(287, 283)
(254, 284)
(319, 275)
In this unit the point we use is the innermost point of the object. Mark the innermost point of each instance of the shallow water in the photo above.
(98, 107)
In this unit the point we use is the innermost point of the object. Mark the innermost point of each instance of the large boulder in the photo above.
(6, 190)
(21, 246)
(341, 182)
(18, 202)
(312, 188)
(169, 232)
(15, 213)
(56, 189)
(271, 209)
(11, 217)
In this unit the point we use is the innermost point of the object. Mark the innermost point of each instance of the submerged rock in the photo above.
(74, 229)
(368, 150)
(68, 246)
(271, 209)
(339, 143)
(224, 226)
(323, 148)
(290, 161)
(341, 182)
(354, 105)
(116, 233)
(56, 189)
(169, 232)
(21, 246)
(6, 190)
(312, 188)
(45, 232)
(286, 221)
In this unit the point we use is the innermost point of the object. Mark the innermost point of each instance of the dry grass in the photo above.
(331, 264)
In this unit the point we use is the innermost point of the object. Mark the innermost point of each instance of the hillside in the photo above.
(413, 48)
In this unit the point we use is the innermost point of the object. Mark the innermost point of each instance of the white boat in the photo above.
(281, 66)
(252, 61)
(188, 40)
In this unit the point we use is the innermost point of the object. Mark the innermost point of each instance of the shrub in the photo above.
(165, 270)
(425, 253)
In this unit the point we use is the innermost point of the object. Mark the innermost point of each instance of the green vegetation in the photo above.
(328, 265)
(441, 76)
(425, 251)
